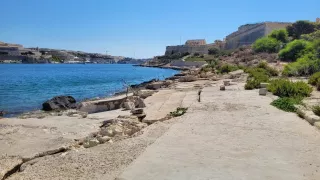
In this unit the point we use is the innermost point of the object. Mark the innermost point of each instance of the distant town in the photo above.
(16, 53)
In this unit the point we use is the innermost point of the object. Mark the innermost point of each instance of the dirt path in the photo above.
(233, 134)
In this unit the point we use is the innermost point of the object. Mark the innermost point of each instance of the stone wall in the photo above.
(248, 34)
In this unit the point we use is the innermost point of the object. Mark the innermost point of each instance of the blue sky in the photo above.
(137, 28)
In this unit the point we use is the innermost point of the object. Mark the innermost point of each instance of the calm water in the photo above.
(24, 87)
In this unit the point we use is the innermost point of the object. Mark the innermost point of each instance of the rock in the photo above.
(137, 111)
(8, 163)
(222, 88)
(263, 91)
(103, 139)
(187, 79)
(311, 117)
(317, 125)
(226, 83)
(2, 113)
(139, 103)
(128, 105)
(144, 93)
(236, 74)
(59, 103)
(106, 132)
(264, 85)
(91, 143)
(141, 116)
(154, 85)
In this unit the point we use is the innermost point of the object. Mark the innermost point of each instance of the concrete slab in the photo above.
(233, 134)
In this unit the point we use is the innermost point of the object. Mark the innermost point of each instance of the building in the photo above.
(191, 46)
(249, 33)
(318, 20)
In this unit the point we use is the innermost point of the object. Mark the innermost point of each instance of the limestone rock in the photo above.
(222, 88)
(137, 111)
(226, 83)
(103, 139)
(59, 103)
(128, 105)
(317, 125)
(7, 163)
(236, 74)
(154, 85)
(311, 117)
(263, 91)
(107, 132)
(91, 143)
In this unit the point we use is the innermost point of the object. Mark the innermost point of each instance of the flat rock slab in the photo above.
(232, 135)
(8, 164)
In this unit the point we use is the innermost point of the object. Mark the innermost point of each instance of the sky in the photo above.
(137, 28)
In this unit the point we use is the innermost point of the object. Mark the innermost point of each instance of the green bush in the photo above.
(256, 76)
(264, 65)
(313, 80)
(266, 44)
(286, 88)
(286, 103)
(301, 27)
(295, 50)
(316, 110)
(280, 35)
(304, 66)
(311, 36)
(214, 51)
(226, 68)
(179, 112)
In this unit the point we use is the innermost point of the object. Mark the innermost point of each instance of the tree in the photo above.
(280, 35)
(295, 50)
(214, 51)
(266, 44)
(301, 27)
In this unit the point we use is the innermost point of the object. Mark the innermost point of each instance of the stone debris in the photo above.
(91, 143)
(128, 105)
(222, 88)
(103, 139)
(263, 91)
(317, 125)
(137, 111)
(236, 74)
(226, 83)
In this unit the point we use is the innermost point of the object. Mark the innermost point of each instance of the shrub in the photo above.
(179, 112)
(226, 68)
(318, 85)
(270, 70)
(286, 88)
(286, 103)
(196, 54)
(295, 50)
(214, 51)
(304, 66)
(311, 36)
(280, 35)
(316, 110)
(256, 76)
(266, 44)
(300, 27)
(313, 80)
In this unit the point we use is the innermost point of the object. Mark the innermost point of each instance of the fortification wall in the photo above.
(248, 34)
(247, 37)
(203, 49)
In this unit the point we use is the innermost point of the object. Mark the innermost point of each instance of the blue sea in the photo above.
(24, 87)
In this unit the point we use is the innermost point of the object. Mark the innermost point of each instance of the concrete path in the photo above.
(232, 134)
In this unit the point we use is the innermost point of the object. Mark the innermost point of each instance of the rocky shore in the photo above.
(100, 138)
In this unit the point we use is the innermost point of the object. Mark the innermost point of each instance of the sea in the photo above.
(24, 87)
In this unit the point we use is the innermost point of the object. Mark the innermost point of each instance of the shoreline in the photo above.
(139, 86)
